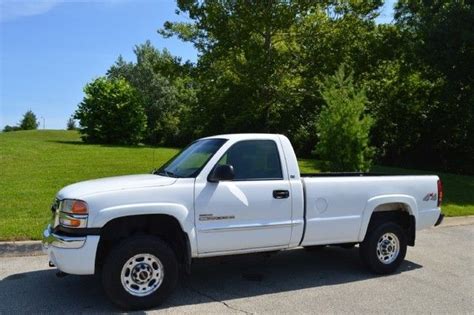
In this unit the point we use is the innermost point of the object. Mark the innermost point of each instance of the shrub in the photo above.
(342, 126)
(9, 128)
(71, 123)
(111, 113)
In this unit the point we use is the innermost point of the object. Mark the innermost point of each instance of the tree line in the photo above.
(29, 121)
(324, 73)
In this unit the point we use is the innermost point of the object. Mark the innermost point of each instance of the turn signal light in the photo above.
(69, 222)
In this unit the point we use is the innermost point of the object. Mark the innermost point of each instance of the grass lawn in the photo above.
(34, 165)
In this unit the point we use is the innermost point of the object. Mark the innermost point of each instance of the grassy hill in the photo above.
(36, 164)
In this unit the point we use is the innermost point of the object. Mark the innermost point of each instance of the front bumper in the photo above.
(71, 254)
(61, 241)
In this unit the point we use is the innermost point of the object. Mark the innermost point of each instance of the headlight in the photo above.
(73, 213)
(74, 206)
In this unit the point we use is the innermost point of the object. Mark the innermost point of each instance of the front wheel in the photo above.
(140, 273)
(384, 248)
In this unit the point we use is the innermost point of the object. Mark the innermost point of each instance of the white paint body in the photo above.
(319, 210)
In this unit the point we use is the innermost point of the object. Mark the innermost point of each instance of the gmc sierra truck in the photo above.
(228, 195)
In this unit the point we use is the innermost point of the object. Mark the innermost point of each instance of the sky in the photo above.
(49, 49)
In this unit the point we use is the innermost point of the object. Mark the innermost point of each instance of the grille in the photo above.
(55, 205)
(55, 213)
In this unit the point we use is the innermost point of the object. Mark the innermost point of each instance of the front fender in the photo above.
(373, 203)
(183, 215)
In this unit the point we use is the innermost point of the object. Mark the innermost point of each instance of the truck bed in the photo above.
(336, 204)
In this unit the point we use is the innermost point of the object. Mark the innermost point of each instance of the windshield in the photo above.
(190, 161)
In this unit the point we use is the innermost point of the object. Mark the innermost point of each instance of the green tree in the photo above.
(247, 72)
(29, 121)
(166, 89)
(343, 126)
(439, 45)
(261, 62)
(111, 112)
(71, 123)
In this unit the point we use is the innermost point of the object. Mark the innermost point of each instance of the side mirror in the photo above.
(221, 172)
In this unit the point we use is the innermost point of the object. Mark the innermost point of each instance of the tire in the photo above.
(384, 248)
(149, 277)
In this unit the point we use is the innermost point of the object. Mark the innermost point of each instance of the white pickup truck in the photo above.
(227, 195)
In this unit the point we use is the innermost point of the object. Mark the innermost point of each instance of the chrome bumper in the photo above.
(61, 241)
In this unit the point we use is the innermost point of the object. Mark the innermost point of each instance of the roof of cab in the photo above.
(245, 136)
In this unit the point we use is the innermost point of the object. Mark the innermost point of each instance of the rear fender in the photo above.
(408, 202)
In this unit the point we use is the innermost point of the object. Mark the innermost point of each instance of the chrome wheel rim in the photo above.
(142, 274)
(388, 248)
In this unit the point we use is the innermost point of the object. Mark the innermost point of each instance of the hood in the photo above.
(95, 186)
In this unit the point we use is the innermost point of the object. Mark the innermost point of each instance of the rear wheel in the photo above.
(384, 248)
(140, 273)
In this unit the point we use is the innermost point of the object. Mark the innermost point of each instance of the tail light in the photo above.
(440, 192)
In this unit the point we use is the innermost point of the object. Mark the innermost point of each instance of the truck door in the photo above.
(253, 210)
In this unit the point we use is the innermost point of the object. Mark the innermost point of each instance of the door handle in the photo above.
(281, 194)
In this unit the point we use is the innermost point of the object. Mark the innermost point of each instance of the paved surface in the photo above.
(438, 276)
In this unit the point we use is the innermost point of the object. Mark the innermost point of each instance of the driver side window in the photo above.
(254, 160)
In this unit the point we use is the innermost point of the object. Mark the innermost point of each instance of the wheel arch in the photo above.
(177, 211)
(163, 225)
(390, 205)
